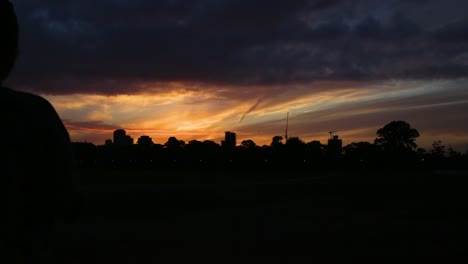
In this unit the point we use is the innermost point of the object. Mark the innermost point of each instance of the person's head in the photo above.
(8, 38)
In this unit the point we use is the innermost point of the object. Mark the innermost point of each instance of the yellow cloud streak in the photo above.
(169, 113)
(206, 114)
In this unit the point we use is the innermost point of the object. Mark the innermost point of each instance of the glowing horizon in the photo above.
(195, 69)
(207, 114)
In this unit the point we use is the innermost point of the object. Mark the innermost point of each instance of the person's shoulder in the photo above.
(36, 111)
(32, 98)
(27, 100)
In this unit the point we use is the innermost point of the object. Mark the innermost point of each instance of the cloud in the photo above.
(252, 108)
(433, 108)
(119, 47)
(99, 126)
(355, 109)
(456, 32)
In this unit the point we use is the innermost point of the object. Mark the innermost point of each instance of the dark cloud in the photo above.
(252, 108)
(115, 47)
(456, 32)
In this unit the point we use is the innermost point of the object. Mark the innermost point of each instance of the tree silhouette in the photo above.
(174, 144)
(295, 150)
(294, 142)
(397, 137)
(438, 150)
(276, 140)
(248, 144)
(314, 151)
(360, 152)
(453, 153)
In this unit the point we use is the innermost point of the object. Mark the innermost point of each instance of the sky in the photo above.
(195, 69)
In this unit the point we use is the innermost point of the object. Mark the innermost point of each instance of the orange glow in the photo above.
(205, 114)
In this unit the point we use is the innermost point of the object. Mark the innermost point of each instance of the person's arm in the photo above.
(43, 191)
(56, 161)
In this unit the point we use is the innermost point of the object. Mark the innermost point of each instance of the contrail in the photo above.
(250, 110)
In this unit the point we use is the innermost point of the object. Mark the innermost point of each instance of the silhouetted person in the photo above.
(35, 162)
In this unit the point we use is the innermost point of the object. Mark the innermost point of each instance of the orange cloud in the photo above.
(357, 111)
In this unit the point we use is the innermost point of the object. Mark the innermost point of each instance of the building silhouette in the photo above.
(335, 144)
(108, 142)
(229, 140)
(121, 138)
(145, 141)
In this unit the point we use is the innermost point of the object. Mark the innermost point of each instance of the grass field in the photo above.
(143, 217)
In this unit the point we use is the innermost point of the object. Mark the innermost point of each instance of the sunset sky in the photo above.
(195, 69)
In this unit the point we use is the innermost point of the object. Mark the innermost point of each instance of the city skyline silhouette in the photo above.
(341, 66)
(394, 148)
(230, 131)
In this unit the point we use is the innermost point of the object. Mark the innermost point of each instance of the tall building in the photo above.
(229, 140)
(121, 138)
(335, 145)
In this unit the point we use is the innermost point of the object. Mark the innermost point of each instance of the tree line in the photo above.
(394, 148)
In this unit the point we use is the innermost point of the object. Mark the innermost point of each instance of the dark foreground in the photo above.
(140, 217)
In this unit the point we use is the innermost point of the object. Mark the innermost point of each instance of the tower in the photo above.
(229, 140)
